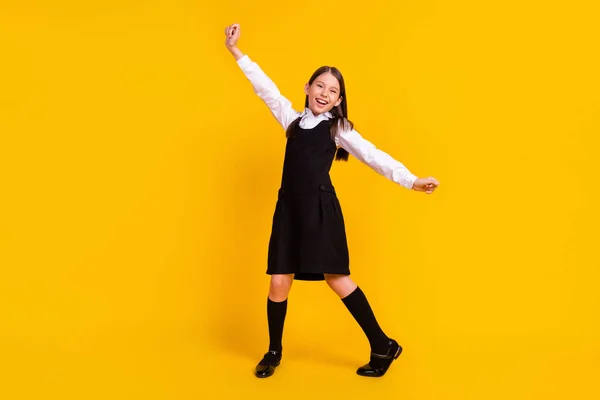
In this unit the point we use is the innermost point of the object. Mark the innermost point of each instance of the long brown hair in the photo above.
(340, 119)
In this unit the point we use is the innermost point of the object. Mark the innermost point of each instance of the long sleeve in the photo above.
(267, 90)
(381, 162)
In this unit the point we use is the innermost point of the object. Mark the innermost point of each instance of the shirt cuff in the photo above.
(244, 62)
(404, 177)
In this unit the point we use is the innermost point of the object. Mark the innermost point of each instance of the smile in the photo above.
(321, 102)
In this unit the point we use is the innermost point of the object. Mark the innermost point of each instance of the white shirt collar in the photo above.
(309, 113)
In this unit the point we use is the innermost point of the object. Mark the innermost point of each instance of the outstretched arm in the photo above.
(383, 163)
(263, 86)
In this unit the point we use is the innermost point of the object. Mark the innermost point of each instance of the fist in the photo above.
(427, 185)
(232, 34)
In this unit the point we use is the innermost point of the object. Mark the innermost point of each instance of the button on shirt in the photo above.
(349, 140)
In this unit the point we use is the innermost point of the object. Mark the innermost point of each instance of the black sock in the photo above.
(276, 317)
(359, 307)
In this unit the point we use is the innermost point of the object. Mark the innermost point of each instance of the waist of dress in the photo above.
(306, 189)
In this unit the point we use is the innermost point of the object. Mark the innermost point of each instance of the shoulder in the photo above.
(344, 126)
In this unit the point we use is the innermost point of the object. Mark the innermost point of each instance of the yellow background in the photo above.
(139, 175)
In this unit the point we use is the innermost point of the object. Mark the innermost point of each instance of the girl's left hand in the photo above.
(427, 185)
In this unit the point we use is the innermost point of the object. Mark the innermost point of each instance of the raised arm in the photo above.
(280, 107)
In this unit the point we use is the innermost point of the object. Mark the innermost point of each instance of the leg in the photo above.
(342, 285)
(280, 286)
(383, 349)
(279, 289)
(359, 307)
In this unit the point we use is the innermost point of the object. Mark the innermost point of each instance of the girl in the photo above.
(308, 239)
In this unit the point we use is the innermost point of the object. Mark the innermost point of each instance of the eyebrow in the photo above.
(333, 87)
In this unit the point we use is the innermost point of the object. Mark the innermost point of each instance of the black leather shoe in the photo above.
(267, 365)
(381, 361)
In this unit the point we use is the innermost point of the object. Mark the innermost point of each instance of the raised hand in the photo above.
(427, 185)
(232, 34)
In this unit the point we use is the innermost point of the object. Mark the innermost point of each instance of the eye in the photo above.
(319, 85)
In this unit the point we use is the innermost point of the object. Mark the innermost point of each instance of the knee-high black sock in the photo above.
(359, 307)
(276, 317)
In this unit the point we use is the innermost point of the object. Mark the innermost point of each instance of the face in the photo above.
(323, 94)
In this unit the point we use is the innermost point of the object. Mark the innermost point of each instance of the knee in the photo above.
(334, 280)
(343, 285)
(280, 286)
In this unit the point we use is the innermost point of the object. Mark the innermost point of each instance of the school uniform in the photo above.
(308, 236)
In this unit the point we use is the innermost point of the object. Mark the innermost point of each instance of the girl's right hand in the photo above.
(232, 34)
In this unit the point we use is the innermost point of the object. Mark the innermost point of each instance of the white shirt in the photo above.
(349, 140)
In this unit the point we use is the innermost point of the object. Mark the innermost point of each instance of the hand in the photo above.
(232, 34)
(427, 185)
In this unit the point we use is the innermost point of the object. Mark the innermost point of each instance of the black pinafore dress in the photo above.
(308, 236)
